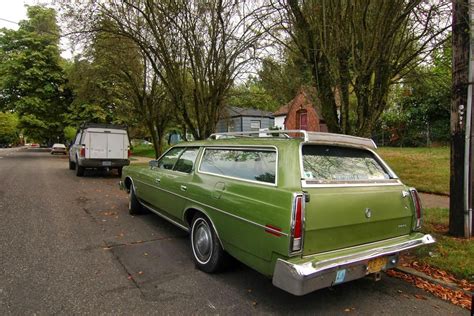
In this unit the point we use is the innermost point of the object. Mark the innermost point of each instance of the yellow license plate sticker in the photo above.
(376, 264)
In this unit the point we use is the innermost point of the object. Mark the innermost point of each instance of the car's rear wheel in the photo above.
(134, 206)
(72, 165)
(79, 170)
(207, 251)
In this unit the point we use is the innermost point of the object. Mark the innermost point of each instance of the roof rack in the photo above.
(319, 137)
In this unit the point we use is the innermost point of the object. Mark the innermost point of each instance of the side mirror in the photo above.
(153, 163)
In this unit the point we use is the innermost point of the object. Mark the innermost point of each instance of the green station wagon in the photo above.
(310, 210)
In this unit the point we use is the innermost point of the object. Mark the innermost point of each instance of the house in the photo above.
(301, 113)
(235, 119)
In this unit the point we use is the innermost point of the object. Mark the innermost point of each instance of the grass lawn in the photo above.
(144, 151)
(455, 255)
(426, 169)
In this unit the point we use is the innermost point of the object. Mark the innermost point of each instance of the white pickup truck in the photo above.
(100, 146)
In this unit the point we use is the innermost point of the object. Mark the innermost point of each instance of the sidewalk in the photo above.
(434, 200)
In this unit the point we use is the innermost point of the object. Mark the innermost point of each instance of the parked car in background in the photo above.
(58, 149)
(99, 146)
(310, 210)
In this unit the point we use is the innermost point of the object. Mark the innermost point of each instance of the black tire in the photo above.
(79, 170)
(134, 206)
(72, 165)
(208, 254)
(119, 172)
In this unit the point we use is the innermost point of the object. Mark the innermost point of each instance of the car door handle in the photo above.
(184, 188)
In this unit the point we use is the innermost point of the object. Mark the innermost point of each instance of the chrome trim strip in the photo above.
(164, 216)
(251, 147)
(301, 278)
(215, 208)
(346, 185)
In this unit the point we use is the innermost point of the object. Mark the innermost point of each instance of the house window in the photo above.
(230, 126)
(255, 125)
(302, 120)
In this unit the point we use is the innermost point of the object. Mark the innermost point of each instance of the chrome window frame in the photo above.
(249, 147)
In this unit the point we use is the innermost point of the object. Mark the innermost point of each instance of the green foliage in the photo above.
(420, 111)
(31, 78)
(8, 128)
(69, 133)
(252, 95)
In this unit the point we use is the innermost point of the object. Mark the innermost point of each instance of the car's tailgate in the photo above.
(354, 215)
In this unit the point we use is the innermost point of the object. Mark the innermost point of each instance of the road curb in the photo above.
(421, 275)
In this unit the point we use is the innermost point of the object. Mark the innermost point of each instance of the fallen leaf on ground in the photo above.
(459, 298)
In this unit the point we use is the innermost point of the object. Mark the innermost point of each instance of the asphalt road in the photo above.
(68, 246)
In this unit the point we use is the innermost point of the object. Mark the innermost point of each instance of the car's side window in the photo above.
(186, 161)
(170, 158)
(248, 164)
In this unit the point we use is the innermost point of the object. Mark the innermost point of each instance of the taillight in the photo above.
(82, 152)
(129, 152)
(297, 216)
(417, 204)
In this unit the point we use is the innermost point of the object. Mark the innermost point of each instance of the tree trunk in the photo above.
(458, 106)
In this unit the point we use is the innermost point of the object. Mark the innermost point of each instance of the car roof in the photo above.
(282, 139)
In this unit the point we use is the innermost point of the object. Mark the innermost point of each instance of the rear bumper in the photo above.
(300, 276)
(103, 163)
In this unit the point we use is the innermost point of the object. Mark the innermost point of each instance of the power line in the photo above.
(9, 21)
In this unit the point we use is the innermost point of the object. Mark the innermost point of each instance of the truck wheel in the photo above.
(208, 254)
(79, 170)
(119, 172)
(134, 207)
(72, 165)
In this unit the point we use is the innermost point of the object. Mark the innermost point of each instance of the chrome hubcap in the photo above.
(202, 241)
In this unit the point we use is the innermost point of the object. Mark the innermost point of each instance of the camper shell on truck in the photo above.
(310, 210)
(100, 146)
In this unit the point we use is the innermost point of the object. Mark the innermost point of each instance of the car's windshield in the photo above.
(332, 163)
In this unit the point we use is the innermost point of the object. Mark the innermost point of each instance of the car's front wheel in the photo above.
(207, 250)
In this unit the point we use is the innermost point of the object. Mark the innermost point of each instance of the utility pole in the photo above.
(469, 157)
(461, 46)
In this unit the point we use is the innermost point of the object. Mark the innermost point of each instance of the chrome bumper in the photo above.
(300, 276)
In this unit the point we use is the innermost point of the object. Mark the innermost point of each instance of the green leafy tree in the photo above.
(31, 77)
(420, 110)
(8, 128)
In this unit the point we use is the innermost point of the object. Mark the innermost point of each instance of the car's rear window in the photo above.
(332, 163)
(247, 164)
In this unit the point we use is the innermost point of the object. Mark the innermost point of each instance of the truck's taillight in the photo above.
(129, 152)
(418, 209)
(82, 152)
(297, 216)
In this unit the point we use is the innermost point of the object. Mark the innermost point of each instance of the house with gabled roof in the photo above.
(303, 112)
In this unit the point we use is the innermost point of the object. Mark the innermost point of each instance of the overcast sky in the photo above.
(13, 11)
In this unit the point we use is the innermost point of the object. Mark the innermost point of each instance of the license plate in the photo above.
(106, 163)
(340, 276)
(375, 265)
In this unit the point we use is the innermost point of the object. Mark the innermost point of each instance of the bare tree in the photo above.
(361, 48)
(197, 48)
